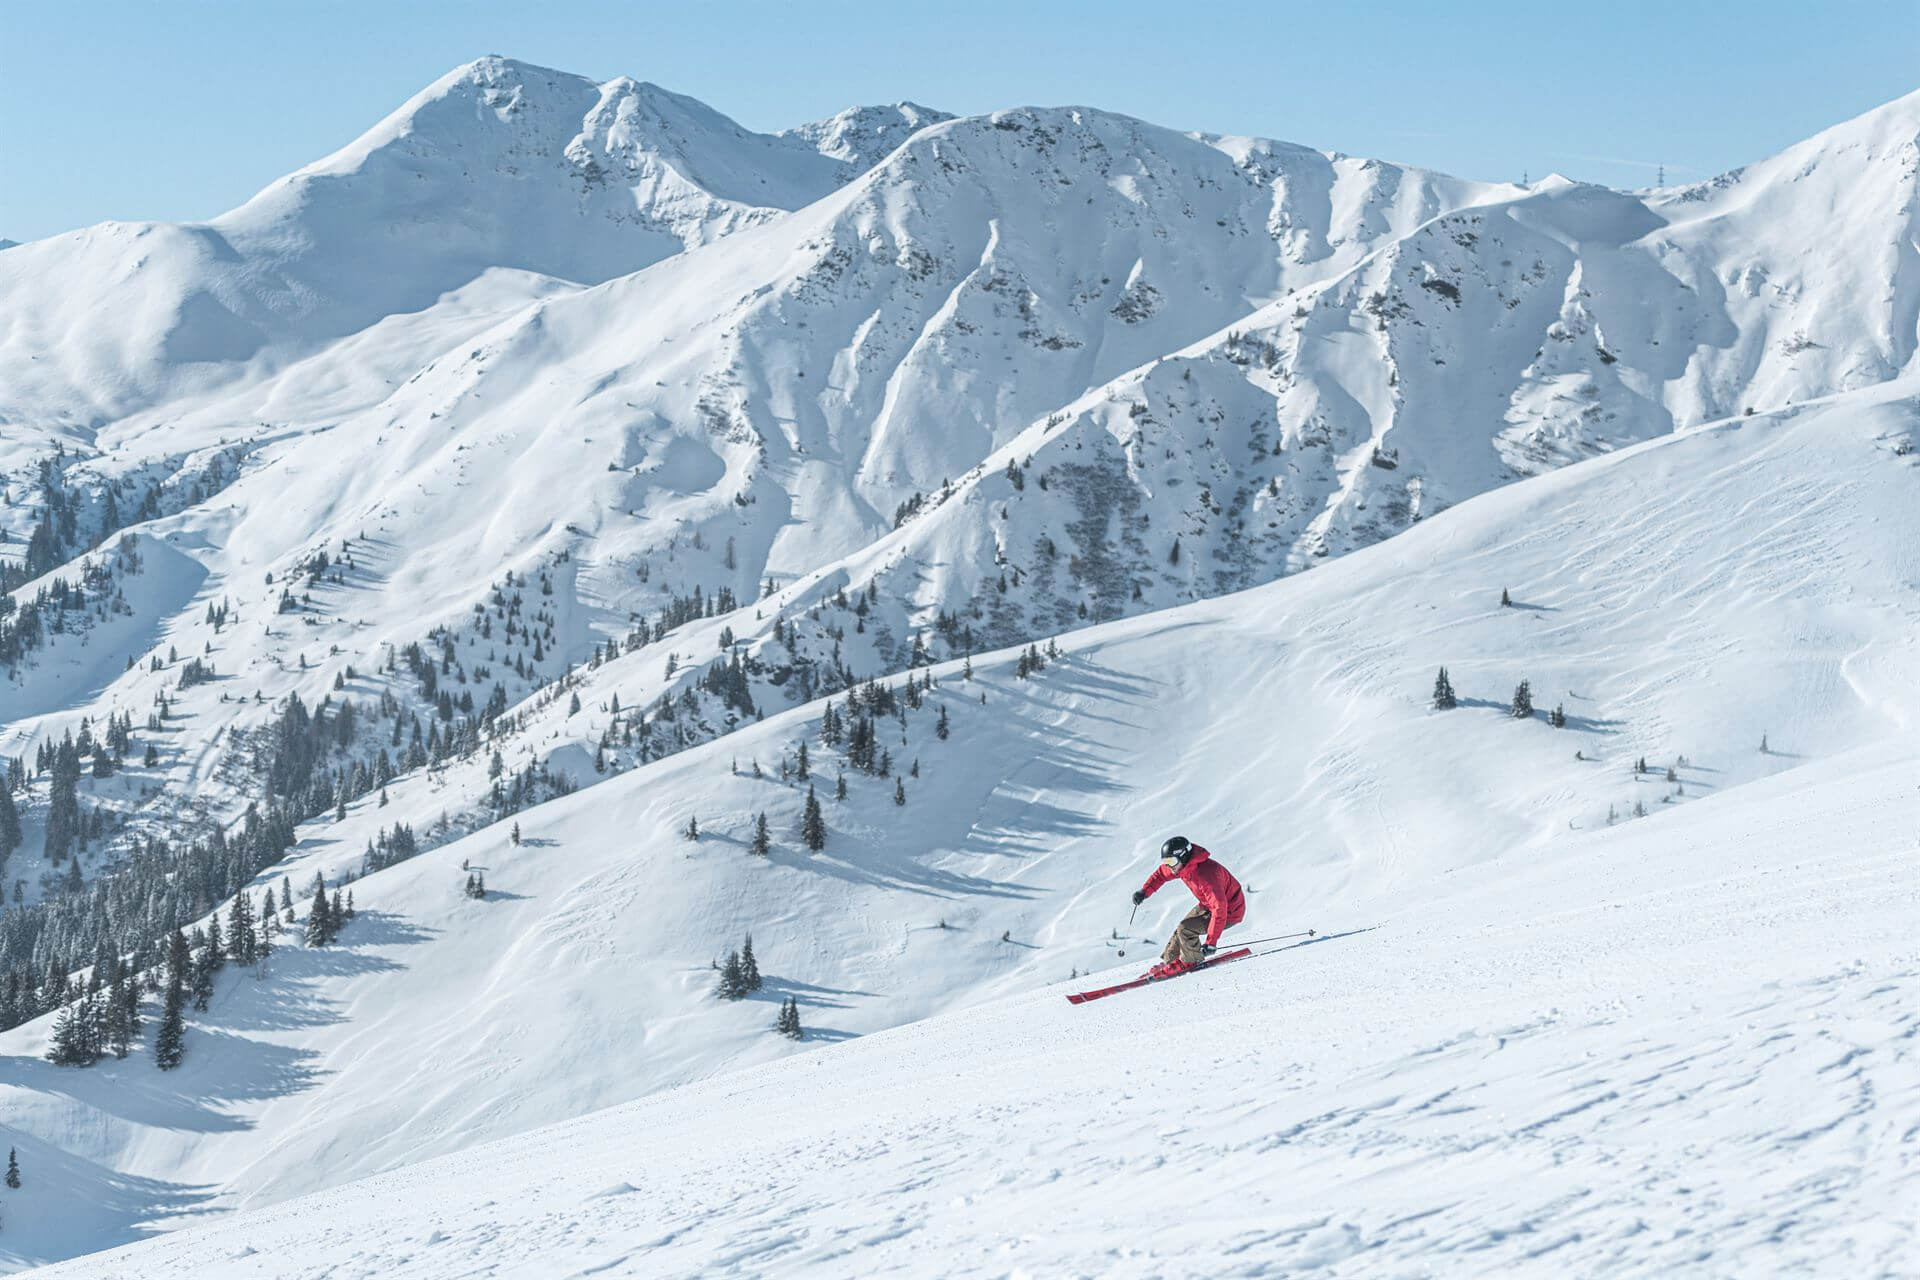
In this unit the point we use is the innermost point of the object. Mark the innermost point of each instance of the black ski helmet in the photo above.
(1177, 848)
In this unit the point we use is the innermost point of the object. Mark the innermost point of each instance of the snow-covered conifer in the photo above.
(733, 980)
(319, 914)
(749, 967)
(813, 824)
(169, 1042)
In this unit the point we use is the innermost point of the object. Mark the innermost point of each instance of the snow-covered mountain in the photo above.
(654, 436)
(1289, 725)
(556, 427)
(497, 166)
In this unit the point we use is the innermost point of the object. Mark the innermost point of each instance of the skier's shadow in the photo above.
(1327, 937)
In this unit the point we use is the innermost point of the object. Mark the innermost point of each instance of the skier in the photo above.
(1221, 904)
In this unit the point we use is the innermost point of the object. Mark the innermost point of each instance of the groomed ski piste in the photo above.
(1527, 1041)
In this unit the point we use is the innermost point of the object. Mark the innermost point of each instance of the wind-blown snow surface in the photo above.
(1685, 1046)
(1681, 599)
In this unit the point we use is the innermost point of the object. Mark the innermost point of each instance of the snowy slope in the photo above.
(1680, 599)
(1557, 1065)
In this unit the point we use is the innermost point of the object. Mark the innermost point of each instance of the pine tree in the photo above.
(63, 807)
(117, 1031)
(1559, 717)
(840, 787)
(788, 1023)
(514, 835)
(70, 1045)
(692, 829)
(240, 928)
(1523, 701)
(170, 1042)
(762, 837)
(286, 898)
(319, 914)
(1443, 696)
(801, 764)
(13, 1169)
(813, 826)
(179, 960)
(1505, 599)
(940, 726)
(573, 705)
(10, 821)
(749, 967)
(733, 981)
(130, 994)
(204, 970)
(899, 791)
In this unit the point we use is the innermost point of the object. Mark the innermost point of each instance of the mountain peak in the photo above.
(861, 137)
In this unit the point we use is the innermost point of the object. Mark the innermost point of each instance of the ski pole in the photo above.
(1122, 951)
(1281, 937)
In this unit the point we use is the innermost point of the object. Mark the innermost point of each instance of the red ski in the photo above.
(1081, 997)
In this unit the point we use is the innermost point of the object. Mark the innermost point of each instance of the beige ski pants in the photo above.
(1187, 939)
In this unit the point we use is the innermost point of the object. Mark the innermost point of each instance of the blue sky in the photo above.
(179, 109)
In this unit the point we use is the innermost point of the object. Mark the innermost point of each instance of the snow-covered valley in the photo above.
(1011, 440)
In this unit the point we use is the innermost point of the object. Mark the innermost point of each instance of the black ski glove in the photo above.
(1138, 897)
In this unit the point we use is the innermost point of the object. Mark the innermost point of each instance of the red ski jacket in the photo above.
(1212, 884)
